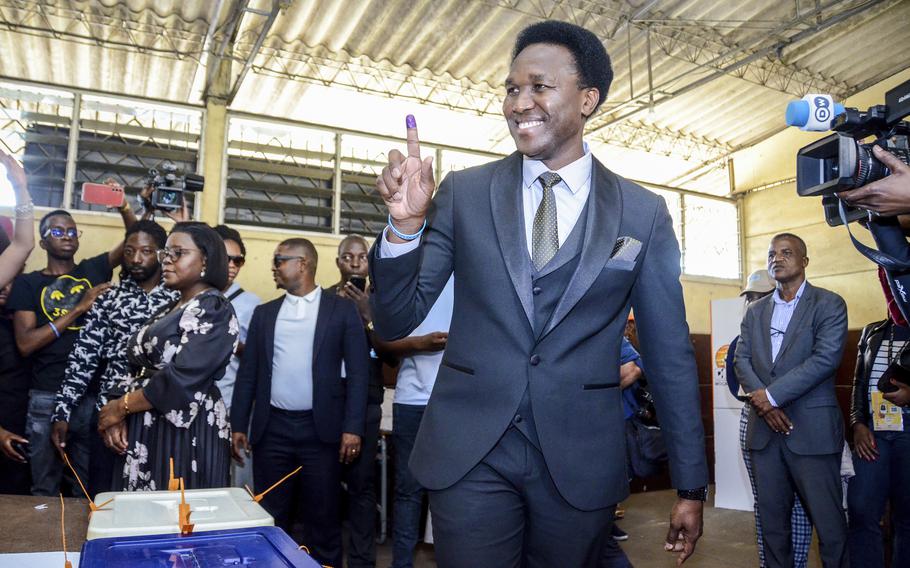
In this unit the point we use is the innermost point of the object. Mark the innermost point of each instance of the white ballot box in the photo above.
(134, 513)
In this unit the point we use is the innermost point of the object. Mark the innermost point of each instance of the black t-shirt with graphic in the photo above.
(52, 297)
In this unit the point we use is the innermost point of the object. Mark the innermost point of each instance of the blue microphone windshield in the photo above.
(798, 113)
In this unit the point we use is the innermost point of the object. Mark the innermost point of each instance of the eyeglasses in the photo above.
(238, 260)
(60, 232)
(278, 259)
(172, 255)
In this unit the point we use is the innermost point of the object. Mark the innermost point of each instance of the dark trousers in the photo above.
(360, 477)
(101, 462)
(877, 482)
(48, 469)
(613, 556)
(779, 473)
(506, 512)
(408, 498)
(290, 441)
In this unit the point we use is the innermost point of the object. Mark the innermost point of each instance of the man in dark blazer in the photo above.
(306, 414)
(521, 446)
(789, 349)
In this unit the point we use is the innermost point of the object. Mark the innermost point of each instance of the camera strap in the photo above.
(885, 239)
(893, 255)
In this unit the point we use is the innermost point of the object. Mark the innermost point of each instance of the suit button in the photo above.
(536, 290)
(535, 359)
(517, 419)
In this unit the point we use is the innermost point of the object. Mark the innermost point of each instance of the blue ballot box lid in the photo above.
(262, 547)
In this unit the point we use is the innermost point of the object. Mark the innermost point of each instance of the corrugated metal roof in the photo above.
(721, 71)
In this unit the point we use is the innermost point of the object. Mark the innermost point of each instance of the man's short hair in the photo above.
(151, 229)
(309, 250)
(350, 238)
(801, 243)
(43, 225)
(591, 59)
(230, 233)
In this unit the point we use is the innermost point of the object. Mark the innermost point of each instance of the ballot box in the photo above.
(133, 513)
(262, 547)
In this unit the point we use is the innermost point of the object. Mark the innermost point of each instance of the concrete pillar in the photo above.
(214, 156)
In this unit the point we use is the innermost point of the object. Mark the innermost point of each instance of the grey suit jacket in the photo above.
(801, 379)
(572, 366)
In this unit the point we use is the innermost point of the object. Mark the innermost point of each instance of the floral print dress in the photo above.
(176, 359)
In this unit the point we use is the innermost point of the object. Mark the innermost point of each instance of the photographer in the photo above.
(888, 196)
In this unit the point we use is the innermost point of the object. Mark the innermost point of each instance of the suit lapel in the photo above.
(271, 320)
(601, 231)
(506, 205)
(327, 302)
(765, 335)
(806, 302)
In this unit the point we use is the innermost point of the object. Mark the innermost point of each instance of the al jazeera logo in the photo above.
(720, 365)
(62, 295)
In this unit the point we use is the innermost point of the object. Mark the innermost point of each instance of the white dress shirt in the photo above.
(292, 362)
(571, 194)
(780, 319)
(417, 373)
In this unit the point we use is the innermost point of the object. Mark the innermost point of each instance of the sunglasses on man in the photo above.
(279, 259)
(60, 232)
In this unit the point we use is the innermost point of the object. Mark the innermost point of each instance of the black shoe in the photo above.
(618, 534)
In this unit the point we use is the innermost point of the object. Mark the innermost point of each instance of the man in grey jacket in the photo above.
(787, 358)
(522, 443)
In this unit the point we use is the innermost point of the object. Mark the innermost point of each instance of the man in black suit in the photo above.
(306, 414)
(522, 443)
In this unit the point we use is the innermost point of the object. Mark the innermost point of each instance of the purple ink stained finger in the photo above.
(410, 121)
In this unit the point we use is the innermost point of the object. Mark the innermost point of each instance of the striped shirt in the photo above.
(879, 364)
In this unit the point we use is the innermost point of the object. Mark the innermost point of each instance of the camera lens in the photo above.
(868, 169)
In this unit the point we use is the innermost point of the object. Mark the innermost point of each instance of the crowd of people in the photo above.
(522, 449)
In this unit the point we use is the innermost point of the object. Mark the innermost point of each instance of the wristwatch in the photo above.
(700, 494)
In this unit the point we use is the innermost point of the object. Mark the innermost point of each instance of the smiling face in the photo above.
(182, 269)
(544, 108)
(787, 260)
(140, 257)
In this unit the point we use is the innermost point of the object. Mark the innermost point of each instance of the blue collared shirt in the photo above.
(292, 361)
(780, 319)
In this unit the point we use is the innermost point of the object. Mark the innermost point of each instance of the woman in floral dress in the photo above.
(173, 408)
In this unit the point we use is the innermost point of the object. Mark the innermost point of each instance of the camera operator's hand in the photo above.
(888, 196)
(180, 215)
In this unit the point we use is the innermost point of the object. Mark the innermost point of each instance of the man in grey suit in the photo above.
(786, 360)
(522, 446)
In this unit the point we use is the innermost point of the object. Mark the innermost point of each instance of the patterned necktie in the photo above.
(545, 234)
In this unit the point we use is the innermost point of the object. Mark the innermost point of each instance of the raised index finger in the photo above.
(413, 141)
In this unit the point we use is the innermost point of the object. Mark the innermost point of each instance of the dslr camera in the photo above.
(169, 187)
(844, 160)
